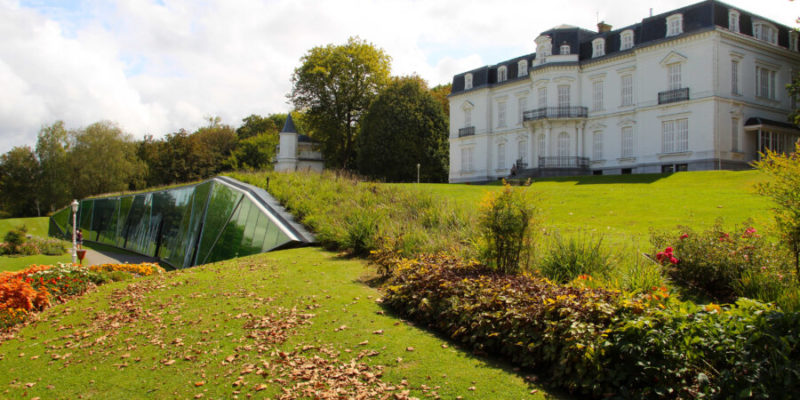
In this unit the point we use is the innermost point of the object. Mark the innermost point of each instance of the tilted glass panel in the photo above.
(270, 236)
(105, 220)
(125, 204)
(249, 229)
(85, 218)
(221, 204)
(229, 242)
(279, 240)
(198, 210)
(260, 230)
(63, 220)
(139, 231)
(174, 206)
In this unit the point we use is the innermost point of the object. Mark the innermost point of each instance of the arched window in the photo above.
(598, 47)
(733, 20)
(522, 68)
(502, 74)
(467, 81)
(674, 25)
(765, 31)
(626, 39)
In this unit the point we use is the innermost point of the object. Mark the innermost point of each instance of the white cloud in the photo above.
(158, 66)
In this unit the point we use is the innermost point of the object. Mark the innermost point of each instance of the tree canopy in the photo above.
(334, 85)
(403, 127)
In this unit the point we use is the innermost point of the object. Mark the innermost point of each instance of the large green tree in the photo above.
(255, 125)
(404, 126)
(334, 85)
(52, 147)
(19, 170)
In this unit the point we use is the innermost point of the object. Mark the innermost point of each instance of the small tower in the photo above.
(287, 147)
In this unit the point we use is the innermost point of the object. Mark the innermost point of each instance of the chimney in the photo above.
(603, 27)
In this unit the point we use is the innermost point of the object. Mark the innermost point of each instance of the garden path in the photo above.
(96, 257)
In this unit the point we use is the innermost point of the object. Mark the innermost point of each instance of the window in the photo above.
(522, 104)
(765, 83)
(502, 74)
(501, 114)
(563, 145)
(793, 40)
(467, 117)
(597, 145)
(765, 31)
(675, 136)
(522, 151)
(735, 77)
(674, 76)
(626, 39)
(544, 48)
(735, 134)
(674, 25)
(563, 96)
(467, 81)
(598, 47)
(597, 95)
(541, 146)
(466, 159)
(626, 89)
(501, 155)
(542, 97)
(522, 68)
(564, 49)
(733, 21)
(627, 142)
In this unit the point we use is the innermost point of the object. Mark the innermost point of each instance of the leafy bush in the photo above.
(16, 237)
(506, 222)
(570, 257)
(50, 247)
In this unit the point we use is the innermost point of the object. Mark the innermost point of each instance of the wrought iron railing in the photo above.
(555, 112)
(563, 162)
(468, 131)
(673, 96)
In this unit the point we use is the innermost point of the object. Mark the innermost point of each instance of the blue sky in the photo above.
(155, 67)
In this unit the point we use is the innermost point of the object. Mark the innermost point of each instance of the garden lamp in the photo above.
(74, 205)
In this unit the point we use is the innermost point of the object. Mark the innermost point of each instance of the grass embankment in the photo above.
(37, 226)
(186, 333)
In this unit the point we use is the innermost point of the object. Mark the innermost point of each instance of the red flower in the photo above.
(684, 236)
(674, 260)
(668, 250)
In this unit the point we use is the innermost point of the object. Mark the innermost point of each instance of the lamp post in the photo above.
(74, 205)
(417, 172)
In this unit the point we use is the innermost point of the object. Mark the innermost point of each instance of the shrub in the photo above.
(143, 269)
(50, 247)
(570, 257)
(506, 221)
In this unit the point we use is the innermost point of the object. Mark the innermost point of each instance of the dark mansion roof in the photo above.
(698, 17)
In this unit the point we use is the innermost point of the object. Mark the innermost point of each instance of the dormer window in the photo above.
(544, 46)
(765, 31)
(793, 40)
(733, 21)
(626, 39)
(564, 49)
(467, 81)
(502, 74)
(674, 25)
(598, 47)
(522, 68)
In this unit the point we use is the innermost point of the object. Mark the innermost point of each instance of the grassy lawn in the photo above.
(37, 226)
(185, 333)
(625, 207)
(15, 263)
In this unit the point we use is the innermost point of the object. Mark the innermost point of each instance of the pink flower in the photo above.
(668, 250)
(674, 260)
(684, 236)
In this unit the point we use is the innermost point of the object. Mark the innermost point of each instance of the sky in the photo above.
(158, 66)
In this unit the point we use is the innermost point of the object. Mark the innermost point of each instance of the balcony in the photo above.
(564, 162)
(673, 96)
(467, 131)
(554, 113)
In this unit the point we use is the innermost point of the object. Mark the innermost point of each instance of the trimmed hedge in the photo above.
(603, 343)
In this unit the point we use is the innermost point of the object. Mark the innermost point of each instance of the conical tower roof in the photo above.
(288, 127)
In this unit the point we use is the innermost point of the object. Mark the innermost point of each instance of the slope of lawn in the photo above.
(37, 226)
(625, 206)
(215, 330)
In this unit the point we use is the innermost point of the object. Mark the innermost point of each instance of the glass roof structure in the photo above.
(213, 220)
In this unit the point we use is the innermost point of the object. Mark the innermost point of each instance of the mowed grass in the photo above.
(37, 226)
(184, 333)
(624, 207)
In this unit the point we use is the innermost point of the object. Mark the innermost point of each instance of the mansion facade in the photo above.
(697, 88)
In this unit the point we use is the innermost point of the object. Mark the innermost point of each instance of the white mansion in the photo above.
(697, 88)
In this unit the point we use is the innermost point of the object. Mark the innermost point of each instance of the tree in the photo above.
(440, 93)
(213, 144)
(51, 150)
(254, 153)
(784, 190)
(19, 171)
(334, 85)
(255, 125)
(403, 127)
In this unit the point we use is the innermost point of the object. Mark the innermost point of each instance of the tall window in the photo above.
(522, 151)
(627, 142)
(501, 155)
(597, 145)
(765, 31)
(626, 39)
(563, 144)
(674, 76)
(541, 146)
(501, 114)
(765, 83)
(793, 40)
(542, 97)
(598, 47)
(467, 81)
(626, 88)
(734, 134)
(502, 74)
(522, 104)
(522, 68)
(467, 117)
(733, 21)
(674, 25)
(564, 49)
(735, 77)
(466, 159)
(563, 95)
(675, 136)
(597, 95)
